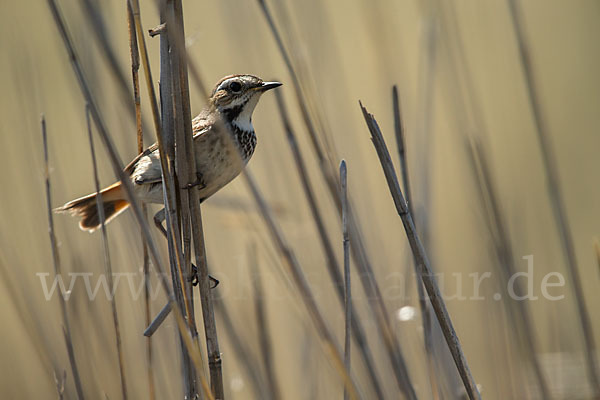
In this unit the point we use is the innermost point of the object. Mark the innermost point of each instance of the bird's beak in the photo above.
(269, 85)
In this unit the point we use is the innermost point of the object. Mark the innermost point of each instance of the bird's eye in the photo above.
(235, 87)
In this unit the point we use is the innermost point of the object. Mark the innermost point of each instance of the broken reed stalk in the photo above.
(265, 342)
(175, 31)
(295, 270)
(135, 78)
(107, 263)
(158, 320)
(332, 265)
(347, 286)
(425, 314)
(427, 275)
(117, 166)
(358, 250)
(57, 268)
(556, 200)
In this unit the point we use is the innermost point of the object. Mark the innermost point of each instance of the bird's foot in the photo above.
(195, 281)
(199, 182)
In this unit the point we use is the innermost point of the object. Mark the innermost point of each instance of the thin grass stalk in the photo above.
(135, 78)
(359, 253)
(295, 81)
(468, 109)
(468, 112)
(347, 285)
(57, 268)
(265, 342)
(427, 275)
(107, 263)
(332, 265)
(125, 181)
(135, 10)
(377, 306)
(556, 199)
(425, 314)
(98, 29)
(294, 269)
(505, 255)
(249, 364)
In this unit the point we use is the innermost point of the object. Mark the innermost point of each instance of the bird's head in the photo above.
(235, 97)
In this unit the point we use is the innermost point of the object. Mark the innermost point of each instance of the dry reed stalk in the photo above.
(135, 67)
(359, 253)
(520, 317)
(265, 342)
(347, 285)
(294, 269)
(107, 263)
(249, 364)
(423, 306)
(469, 104)
(117, 166)
(58, 270)
(427, 275)
(332, 265)
(158, 320)
(188, 164)
(556, 200)
(166, 147)
(176, 207)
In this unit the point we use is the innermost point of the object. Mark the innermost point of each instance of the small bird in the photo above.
(224, 141)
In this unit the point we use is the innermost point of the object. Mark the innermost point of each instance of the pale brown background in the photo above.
(353, 50)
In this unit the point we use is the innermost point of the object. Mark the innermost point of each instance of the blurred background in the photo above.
(461, 81)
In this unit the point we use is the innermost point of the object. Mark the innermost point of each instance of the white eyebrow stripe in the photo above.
(226, 83)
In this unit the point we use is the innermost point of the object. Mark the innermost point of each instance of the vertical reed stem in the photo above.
(347, 285)
(107, 264)
(57, 268)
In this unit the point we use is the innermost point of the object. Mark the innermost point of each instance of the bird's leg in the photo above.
(159, 217)
(199, 182)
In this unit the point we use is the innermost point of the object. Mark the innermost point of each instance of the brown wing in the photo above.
(199, 124)
(130, 167)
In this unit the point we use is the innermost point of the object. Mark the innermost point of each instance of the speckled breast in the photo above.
(246, 142)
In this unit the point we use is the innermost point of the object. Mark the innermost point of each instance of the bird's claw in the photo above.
(193, 185)
(198, 182)
(195, 281)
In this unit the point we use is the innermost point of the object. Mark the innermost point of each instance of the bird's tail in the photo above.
(113, 203)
